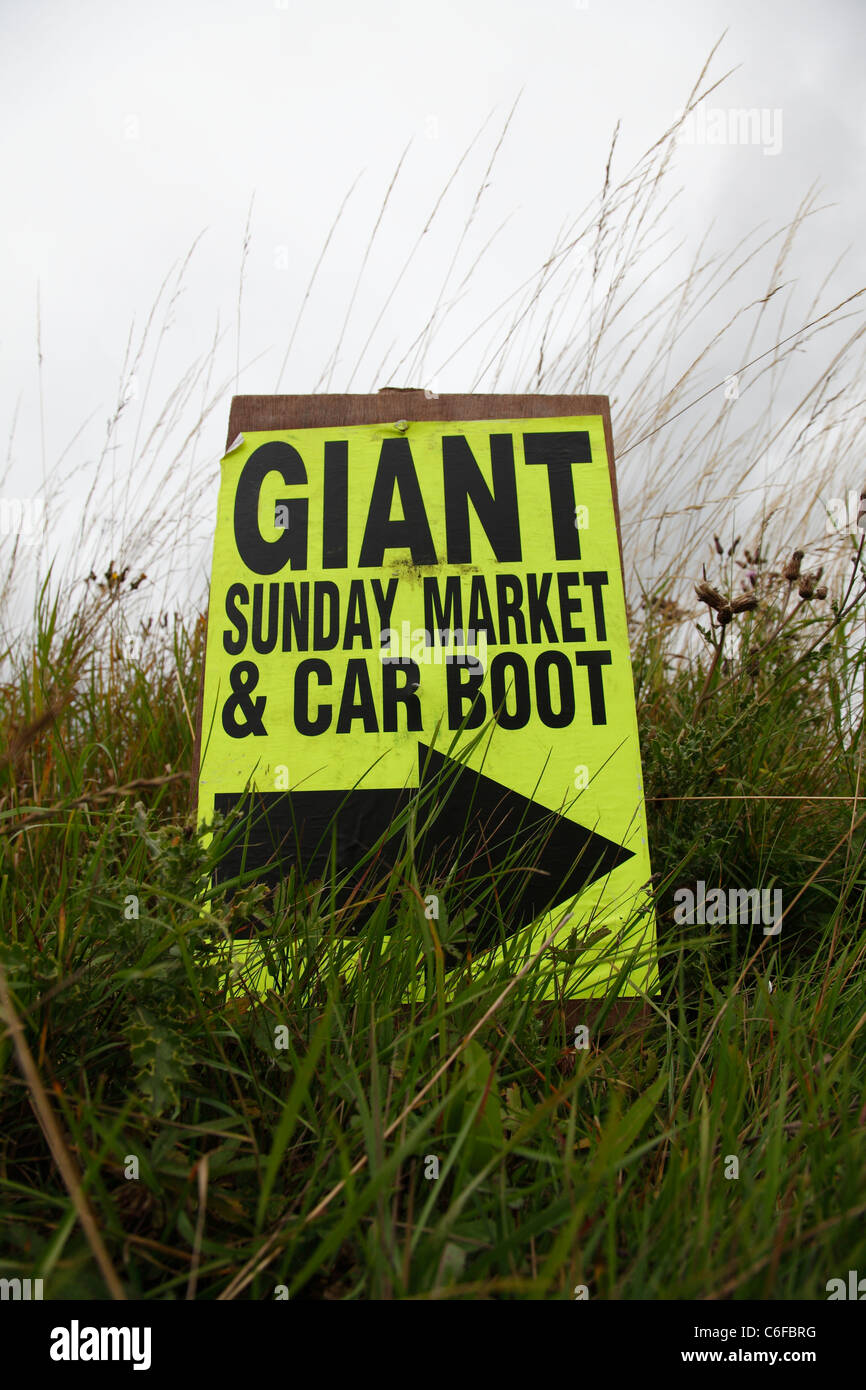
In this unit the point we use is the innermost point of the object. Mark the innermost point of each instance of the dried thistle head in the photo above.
(792, 568)
(822, 592)
(808, 584)
(726, 613)
(710, 596)
(744, 603)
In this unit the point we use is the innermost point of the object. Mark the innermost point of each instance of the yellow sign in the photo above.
(392, 604)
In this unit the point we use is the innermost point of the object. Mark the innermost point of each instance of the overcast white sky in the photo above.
(131, 128)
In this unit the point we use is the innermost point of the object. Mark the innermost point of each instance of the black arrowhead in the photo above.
(535, 857)
(511, 850)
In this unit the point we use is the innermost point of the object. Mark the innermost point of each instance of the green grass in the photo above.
(283, 1141)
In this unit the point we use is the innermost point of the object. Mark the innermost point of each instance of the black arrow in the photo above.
(510, 849)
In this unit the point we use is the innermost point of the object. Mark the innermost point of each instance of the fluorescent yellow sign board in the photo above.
(394, 602)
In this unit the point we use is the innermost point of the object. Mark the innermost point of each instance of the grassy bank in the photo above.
(286, 1142)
